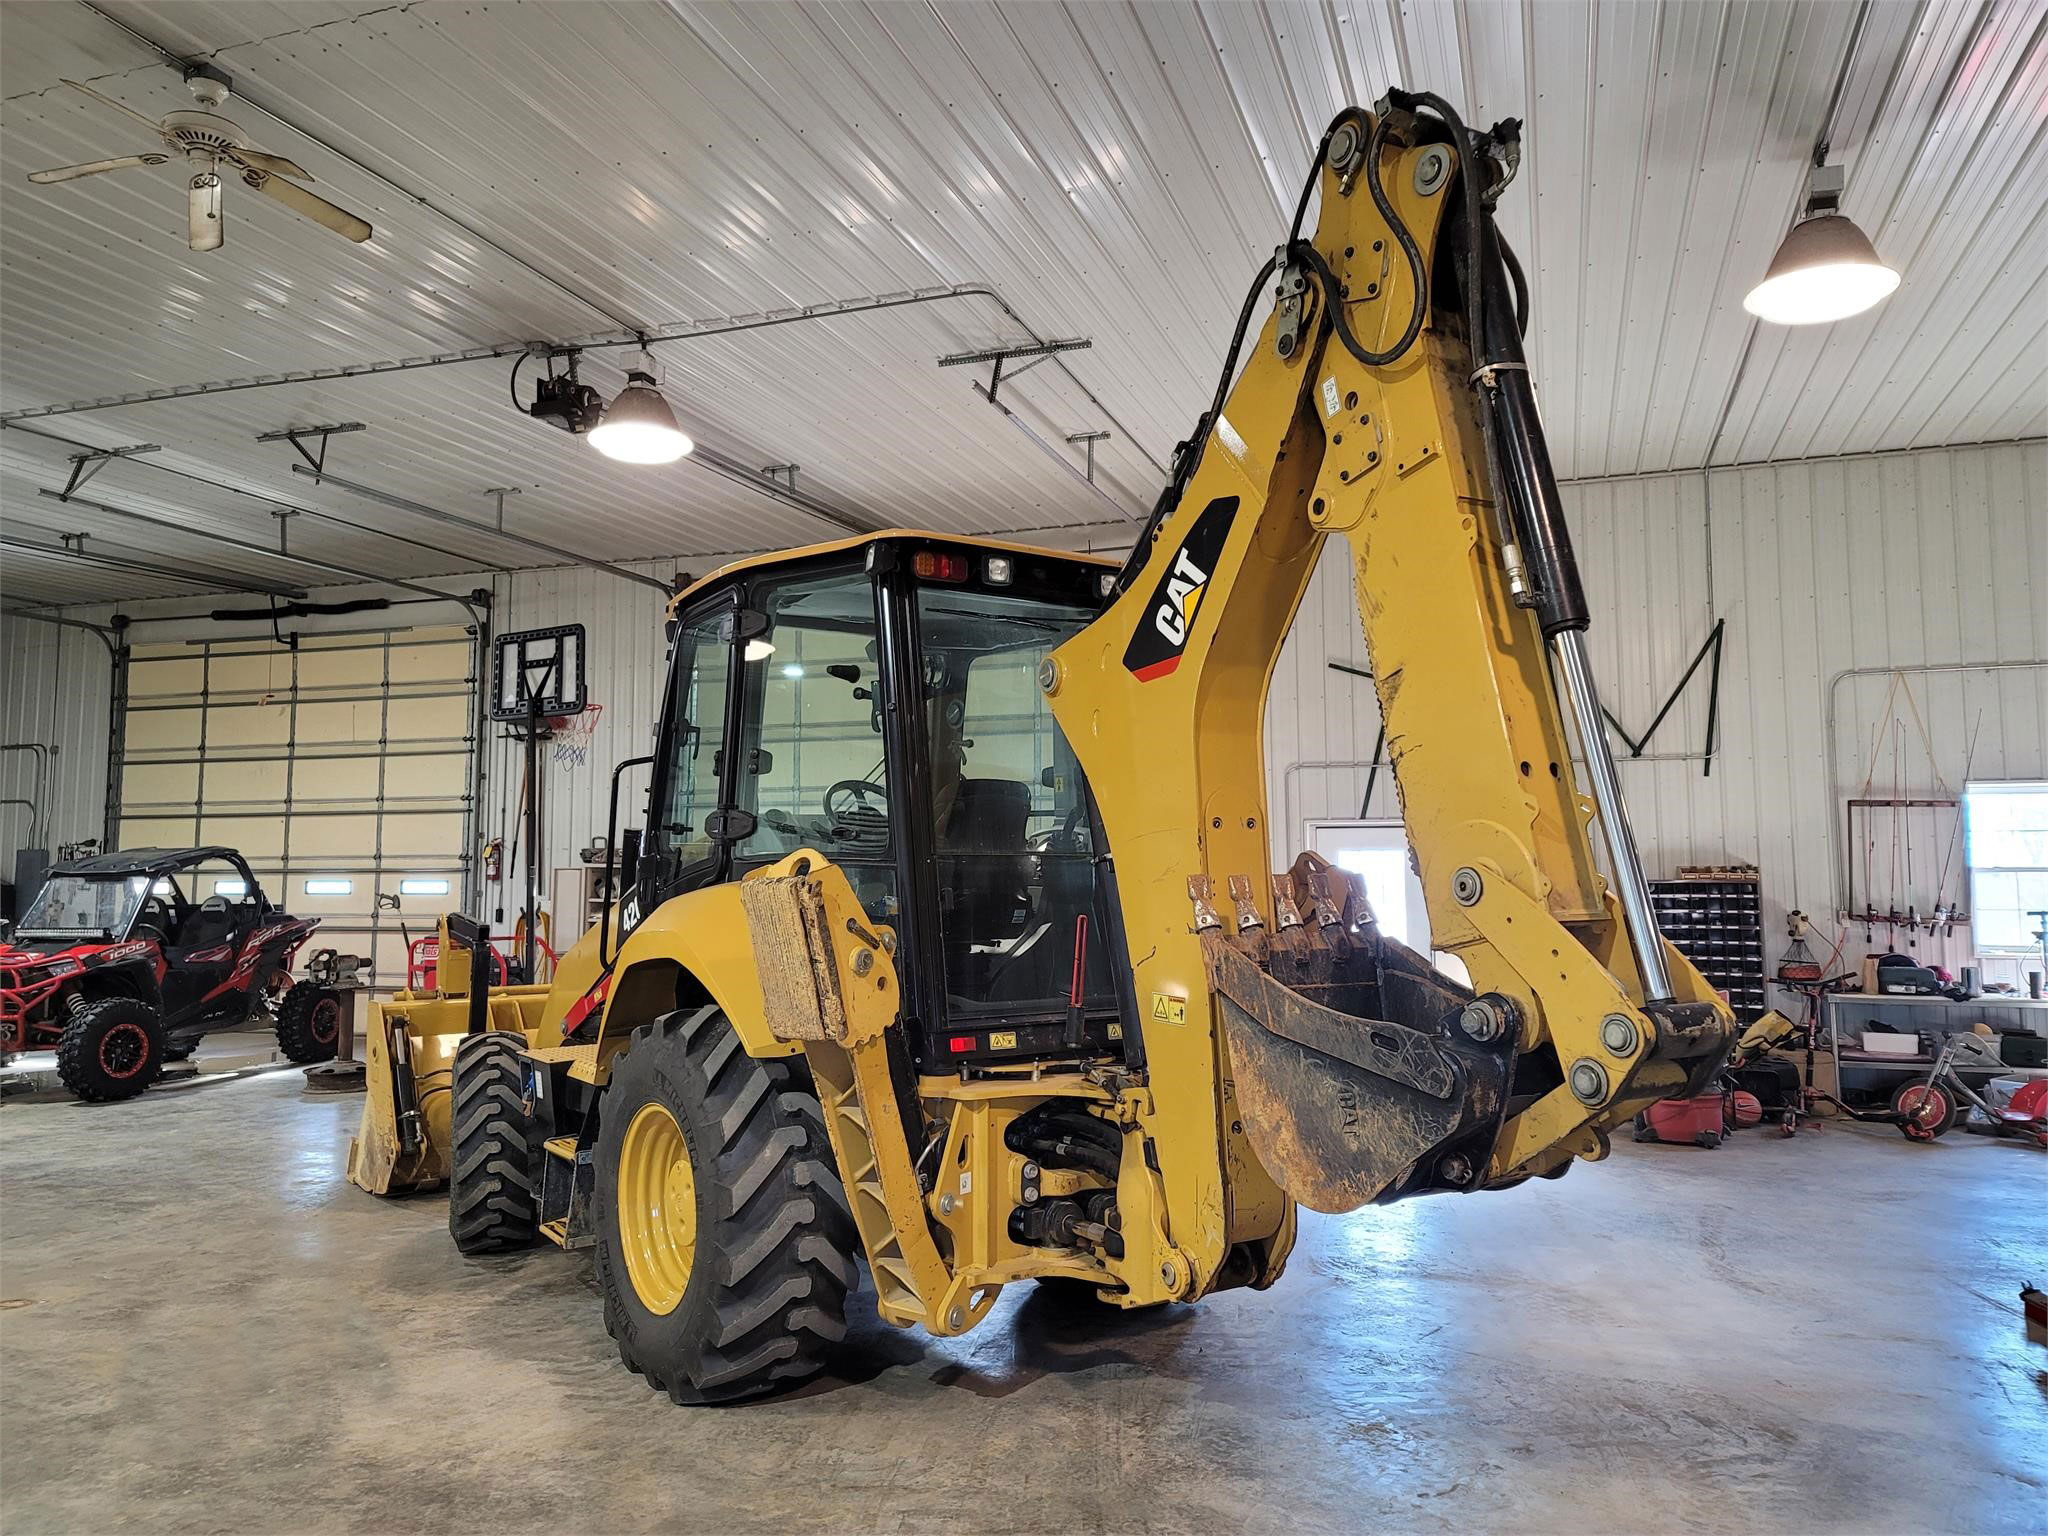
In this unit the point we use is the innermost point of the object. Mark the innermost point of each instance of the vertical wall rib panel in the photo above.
(54, 688)
(1820, 567)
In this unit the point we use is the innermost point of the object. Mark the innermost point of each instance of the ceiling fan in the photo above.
(209, 142)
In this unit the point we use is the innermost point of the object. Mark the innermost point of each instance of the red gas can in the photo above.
(1702, 1122)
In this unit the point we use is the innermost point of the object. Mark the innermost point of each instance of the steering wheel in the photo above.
(849, 796)
(1065, 838)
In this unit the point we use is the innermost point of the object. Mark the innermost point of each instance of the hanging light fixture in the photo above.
(1826, 268)
(638, 427)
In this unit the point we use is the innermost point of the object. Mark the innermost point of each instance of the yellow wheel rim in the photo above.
(657, 1208)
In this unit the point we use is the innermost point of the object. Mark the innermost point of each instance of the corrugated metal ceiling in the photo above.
(1114, 171)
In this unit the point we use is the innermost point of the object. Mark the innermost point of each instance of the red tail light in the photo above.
(931, 565)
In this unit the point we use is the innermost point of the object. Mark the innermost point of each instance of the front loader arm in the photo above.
(1378, 439)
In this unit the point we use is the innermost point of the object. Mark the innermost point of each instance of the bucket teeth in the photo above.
(1248, 917)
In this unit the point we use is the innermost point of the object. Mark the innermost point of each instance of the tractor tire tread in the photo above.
(775, 1240)
(493, 1193)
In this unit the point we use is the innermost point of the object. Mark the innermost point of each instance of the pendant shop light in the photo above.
(638, 427)
(1826, 268)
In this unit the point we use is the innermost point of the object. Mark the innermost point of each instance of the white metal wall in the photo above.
(1819, 567)
(624, 661)
(54, 689)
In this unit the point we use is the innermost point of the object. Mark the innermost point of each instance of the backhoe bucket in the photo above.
(1345, 1108)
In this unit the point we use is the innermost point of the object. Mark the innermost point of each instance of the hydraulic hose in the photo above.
(1187, 455)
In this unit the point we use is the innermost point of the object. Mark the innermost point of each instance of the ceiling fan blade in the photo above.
(314, 207)
(94, 167)
(275, 165)
(149, 122)
(205, 232)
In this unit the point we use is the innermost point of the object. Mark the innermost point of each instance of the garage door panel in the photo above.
(158, 831)
(163, 730)
(340, 722)
(422, 837)
(248, 725)
(173, 675)
(387, 964)
(360, 671)
(159, 785)
(255, 836)
(429, 663)
(436, 718)
(315, 835)
(442, 774)
(243, 782)
(270, 672)
(335, 778)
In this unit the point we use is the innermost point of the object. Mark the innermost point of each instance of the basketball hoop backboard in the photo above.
(538, 672)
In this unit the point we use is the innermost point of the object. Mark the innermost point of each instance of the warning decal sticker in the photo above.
(1162, 634)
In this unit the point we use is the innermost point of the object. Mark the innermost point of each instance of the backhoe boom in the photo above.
(1345, 1068)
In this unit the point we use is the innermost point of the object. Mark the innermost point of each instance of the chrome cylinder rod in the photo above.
(1583, 699)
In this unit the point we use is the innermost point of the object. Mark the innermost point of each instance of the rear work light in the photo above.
(931, 565)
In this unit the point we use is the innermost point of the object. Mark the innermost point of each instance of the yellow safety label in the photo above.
(1116, 1031)
(1003, 1040)
(1168, 1009)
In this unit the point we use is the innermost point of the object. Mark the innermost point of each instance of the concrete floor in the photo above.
(202, 1328)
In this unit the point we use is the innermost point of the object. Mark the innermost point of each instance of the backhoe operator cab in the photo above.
(895, 981)
(879, 704)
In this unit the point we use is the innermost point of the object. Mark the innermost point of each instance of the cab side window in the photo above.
(678, 833)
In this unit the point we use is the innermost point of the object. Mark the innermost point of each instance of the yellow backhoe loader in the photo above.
(953, 942)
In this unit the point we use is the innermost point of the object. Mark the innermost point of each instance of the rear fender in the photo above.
(693, 948)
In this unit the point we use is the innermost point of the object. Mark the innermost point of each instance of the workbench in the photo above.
(1937, 1016)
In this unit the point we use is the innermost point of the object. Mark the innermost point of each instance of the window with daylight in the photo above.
(2006, 835)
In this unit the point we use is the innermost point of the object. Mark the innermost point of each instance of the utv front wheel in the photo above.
(309, 1023)
(724, 1245)
(493, 1183)
(111, 1049)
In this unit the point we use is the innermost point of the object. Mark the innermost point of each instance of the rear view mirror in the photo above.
(845, 671)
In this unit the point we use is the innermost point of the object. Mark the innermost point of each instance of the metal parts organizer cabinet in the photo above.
(1715, 918)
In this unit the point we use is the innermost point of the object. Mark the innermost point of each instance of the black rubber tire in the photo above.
(494, 1158)
(309, 1023)
(92, 1053)
(775, 1243)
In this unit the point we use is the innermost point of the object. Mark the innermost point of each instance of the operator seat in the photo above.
(211, 922)
(985, 835)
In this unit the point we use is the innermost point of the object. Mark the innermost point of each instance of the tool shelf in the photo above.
(1715, 917)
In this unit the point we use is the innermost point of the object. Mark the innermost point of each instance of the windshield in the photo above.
(86, 904)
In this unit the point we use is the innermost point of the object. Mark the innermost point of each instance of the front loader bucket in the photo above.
(1345, 1108)
(401, 1141)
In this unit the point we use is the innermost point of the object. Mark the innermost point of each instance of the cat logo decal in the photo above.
(1162, 634)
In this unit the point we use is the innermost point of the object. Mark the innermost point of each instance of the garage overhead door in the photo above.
(341, 770)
